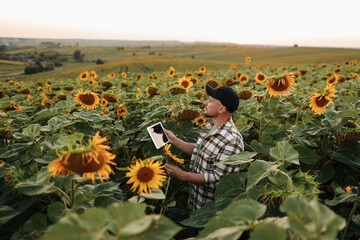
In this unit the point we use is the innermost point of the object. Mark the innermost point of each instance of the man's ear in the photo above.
(222, 109)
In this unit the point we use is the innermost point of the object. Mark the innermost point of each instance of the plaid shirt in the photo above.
(222, 143)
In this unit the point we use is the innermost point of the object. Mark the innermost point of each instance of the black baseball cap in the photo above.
(226, 95)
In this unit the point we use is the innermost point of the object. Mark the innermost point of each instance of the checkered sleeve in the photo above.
(216, 172)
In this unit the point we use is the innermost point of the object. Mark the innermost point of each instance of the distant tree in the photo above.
(2, 48)
(99, 61)
(295, 45)
(78, 56)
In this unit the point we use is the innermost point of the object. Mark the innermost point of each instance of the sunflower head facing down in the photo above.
(87, 99)
(146, 175)
(87, 160)
(280, 85)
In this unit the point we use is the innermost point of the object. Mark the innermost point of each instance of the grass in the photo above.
(181, 57)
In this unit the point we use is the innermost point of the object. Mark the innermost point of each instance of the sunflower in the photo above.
(186, 114)
(337, 70)
(61, 97)
(171, 72)
(123, 75)
(279, 85)
(150, 77)
(93, 74)
(332, 80)
(348, 189)
(243, 78)
(69, 89)
(12, 108)
(231, 65)
(260, 77)
(146, 176)
(199, 95)
(25, 91)
(137, 93)
(151, 91)
(104, 102)
(245, 95)
(248, 59)
(194, 80)
(84, 76)
(186, 82)
(229, 81)
(107, 84)
(111, 75)
(318, 102)
(92, 82)
(110, 98)
(87, 99)
(202, 69)
(86, 160)
(40, 89)
(213, 84)
(121, 111)
(238, 75)
(176, 159)
(200, 120)
(177, 90)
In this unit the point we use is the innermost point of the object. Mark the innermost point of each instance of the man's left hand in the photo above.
(174, 171)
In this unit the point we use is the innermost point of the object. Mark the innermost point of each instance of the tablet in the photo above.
(158, 135)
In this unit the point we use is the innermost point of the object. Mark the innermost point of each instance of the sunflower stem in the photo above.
(343, 234)
(73, 189)
(296, 120)
(63, 193)
(162, 210)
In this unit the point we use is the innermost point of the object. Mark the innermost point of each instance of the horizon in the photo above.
(276, 23)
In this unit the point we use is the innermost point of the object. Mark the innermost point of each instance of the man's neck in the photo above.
(220, 120)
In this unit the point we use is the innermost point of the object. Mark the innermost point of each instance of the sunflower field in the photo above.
(76, 161)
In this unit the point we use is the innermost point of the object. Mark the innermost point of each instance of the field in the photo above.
(76, 160)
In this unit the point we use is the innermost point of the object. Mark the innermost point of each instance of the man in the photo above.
(218, 140)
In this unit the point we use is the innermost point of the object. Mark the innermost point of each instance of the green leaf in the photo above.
(13, 149)
(55, 211)
(283, 151)
(241, 213)
(264, 146)
(268, 231)
(239, 158)
(31, 131)
(311, 219)
(7, 213)
(227, 189)
(135, 227)
(257, 171)
(37, 184)
(342, 198)
(156, 194)
(91, 225)
(199, 217)
(326, 173)
(307, 155)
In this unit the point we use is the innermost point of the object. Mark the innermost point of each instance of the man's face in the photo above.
(212, 107)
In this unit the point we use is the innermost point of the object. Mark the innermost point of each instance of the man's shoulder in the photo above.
(230, 131)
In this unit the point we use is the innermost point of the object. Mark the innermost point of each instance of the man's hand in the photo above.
(171, 136)
(174, 171)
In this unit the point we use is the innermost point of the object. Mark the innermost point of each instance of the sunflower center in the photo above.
(87, 98)
(145, 174)
(81, 162)
(185, 84)
(261, 77)
(321, 101)
(281, 84)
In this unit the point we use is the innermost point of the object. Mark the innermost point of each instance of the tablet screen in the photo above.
(158, 135)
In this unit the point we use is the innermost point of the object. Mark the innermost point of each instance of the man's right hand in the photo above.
(171, 136)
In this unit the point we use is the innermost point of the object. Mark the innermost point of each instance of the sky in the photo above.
(318, 23)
